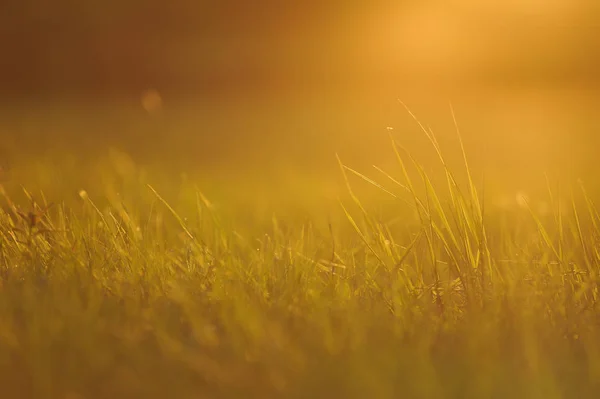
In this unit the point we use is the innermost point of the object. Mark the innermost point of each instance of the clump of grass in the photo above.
(135, 295)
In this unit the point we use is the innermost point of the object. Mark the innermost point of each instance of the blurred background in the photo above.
(276, 88)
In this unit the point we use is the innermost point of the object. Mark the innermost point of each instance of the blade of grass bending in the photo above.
(437, 205)
(423, 129)
(407, 252)
(555, 203)
(102, 218)
(543, 231)
(354, 197)
(391, 178)
(175, 215)
(452, 183)
(470, 212)
(580, 233)
(418, 204)
(360, 234)
(593, 211)
(472, 187)
(377, 227)
(445, 224)
(595, 218)
(432, 254)
(370, 181)
(349, 187)
(421, 208)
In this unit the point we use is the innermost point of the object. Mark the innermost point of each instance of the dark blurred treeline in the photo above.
(208, 48)
(99, 48)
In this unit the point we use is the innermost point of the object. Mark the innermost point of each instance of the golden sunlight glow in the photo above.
(466, 39)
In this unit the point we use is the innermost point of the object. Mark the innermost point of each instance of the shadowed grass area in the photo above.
(141, 287)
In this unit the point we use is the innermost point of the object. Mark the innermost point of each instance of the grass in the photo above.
(139, 290)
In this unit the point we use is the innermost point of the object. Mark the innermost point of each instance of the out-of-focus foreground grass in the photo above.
(134, 284)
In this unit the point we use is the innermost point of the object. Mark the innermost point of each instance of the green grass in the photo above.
(141, 287)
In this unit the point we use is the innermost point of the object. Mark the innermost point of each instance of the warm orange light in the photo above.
(151, 101)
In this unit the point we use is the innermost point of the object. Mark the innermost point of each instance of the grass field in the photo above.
(123, 282)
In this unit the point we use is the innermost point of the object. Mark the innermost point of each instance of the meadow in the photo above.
(121, 279)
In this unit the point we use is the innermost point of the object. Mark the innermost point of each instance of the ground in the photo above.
(122, 277)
